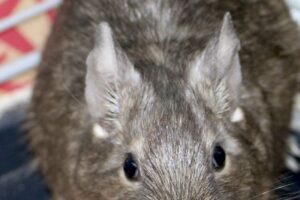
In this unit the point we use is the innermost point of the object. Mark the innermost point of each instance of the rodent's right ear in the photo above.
(108, 72)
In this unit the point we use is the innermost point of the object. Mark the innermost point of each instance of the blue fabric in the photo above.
(19, 179)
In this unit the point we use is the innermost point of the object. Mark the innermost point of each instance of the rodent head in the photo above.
(171, 137)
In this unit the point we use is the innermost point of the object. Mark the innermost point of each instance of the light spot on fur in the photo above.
(292, 164)
(232, 146)
(136, 147)
(99, 132)
(237, 115)
(157, 54)
(293, 146)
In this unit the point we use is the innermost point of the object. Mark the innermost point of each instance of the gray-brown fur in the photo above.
(176, 122)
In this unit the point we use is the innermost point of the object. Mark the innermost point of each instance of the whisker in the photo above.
(272, 190)
(293, 197)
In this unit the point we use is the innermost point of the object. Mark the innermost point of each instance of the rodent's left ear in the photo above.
(218, 69)
(227, 49)
(109, 71)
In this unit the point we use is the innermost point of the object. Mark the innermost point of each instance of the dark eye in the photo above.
(219, 157)
(130, 168)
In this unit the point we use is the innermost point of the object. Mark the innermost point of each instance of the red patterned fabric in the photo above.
(22, 39)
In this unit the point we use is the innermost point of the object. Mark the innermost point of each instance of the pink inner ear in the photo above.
(108, 68)
(101, 73)
(228, 43)
(228, 46)
(218, 69)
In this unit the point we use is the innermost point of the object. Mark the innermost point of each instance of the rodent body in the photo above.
(162, 84)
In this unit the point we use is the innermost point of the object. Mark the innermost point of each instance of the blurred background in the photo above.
(24, 28)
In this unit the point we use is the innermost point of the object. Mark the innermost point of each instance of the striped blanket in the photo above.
(24, 27)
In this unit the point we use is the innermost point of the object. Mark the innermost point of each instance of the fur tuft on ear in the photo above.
(108, 71)
(217, 72)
